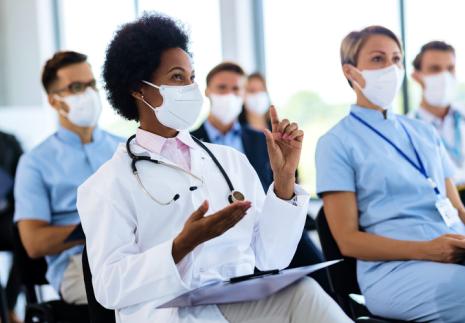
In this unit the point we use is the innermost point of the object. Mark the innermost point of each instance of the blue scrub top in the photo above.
(233, 138)
(46, 184)
(394, 199)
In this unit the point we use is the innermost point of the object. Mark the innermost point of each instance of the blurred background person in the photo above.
(48, 176)
(434, 71)
(256, 104)
(10, 153)
(226, 84)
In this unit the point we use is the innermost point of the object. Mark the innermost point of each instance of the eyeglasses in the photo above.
(78, 87)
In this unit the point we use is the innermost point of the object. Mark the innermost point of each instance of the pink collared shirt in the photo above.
(176, 149)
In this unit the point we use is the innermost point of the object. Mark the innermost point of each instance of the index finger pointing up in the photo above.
(274, 119)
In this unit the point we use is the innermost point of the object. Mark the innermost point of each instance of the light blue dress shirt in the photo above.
(46, 184)
(395, 201)
(232, 138)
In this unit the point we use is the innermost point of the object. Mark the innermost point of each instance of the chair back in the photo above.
(98, 314)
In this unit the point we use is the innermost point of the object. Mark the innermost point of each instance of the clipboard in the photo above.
(76, 234)
(244, 290)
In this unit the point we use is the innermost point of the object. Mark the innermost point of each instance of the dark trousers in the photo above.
(308, 254)
(13, 286)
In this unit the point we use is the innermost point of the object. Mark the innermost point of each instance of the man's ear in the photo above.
(207, 93)
(418, 77)
(54, 102)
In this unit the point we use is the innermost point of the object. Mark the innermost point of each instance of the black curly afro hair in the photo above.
(134, 55)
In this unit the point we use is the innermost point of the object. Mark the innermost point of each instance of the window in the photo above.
(302, 40)
(428, 20)
(88, 26)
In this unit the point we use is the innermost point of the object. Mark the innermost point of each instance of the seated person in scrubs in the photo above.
(389, 198)
(157, 230)
(48, 176)
(225, 90)
(256, 104)
(435, 73)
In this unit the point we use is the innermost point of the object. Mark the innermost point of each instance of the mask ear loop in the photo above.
(353, 81)
(142, 96)
(61, 111)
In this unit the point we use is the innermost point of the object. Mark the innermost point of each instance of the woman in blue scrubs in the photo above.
(388, 195)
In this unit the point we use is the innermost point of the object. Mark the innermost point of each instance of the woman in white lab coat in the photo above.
(155, 230)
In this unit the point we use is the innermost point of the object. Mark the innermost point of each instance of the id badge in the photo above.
(449, 213)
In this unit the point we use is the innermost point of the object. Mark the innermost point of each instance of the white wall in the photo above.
(237, 33)
(26, 41)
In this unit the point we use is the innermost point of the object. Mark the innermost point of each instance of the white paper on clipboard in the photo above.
(248, 290)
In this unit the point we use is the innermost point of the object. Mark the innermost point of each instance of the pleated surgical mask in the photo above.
(440, 89)
(181, 105)
(382, 85)
(84, 108)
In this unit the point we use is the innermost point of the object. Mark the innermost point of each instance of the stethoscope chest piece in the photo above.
(236, 196)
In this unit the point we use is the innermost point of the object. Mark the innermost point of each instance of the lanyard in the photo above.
(420, 167)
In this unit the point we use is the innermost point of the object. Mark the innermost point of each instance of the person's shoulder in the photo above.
(112, 137)
(117, 168)
(252, 132)
(8, 138)
(338, 132)
(224, 152)
(200, 132)
(45, 149)
(417, 124)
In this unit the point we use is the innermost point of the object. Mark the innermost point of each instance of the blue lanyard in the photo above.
(420, 167)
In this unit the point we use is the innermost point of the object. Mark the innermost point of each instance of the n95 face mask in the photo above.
(84, 108)
(226, 108)
(257, 102)
(181, 105)
(382, 85)
(440, 89)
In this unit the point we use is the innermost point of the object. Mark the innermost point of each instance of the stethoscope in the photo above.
(232, 197)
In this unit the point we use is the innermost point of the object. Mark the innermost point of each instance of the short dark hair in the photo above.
(134, 55)
(58, 61)
(432, 45)
(225, 67)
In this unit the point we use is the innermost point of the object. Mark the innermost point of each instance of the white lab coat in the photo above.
(129, 236)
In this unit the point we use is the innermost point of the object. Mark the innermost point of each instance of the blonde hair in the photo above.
(354, 41)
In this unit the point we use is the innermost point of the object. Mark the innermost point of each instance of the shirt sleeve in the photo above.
(31, 194)
(278, 223)
(333, 167)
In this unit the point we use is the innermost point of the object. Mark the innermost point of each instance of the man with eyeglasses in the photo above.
(48, 176)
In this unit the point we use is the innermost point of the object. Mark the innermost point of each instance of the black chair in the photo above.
(343, 276)
(97, 313)
(32, 274)
(3, 306)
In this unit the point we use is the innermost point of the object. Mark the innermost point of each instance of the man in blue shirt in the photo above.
(47, 177)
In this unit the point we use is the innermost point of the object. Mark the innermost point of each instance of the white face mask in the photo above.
(382, 85)
(84, 108)
(181, 105)
(440, 89)
(257, 102)
(226, 108)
